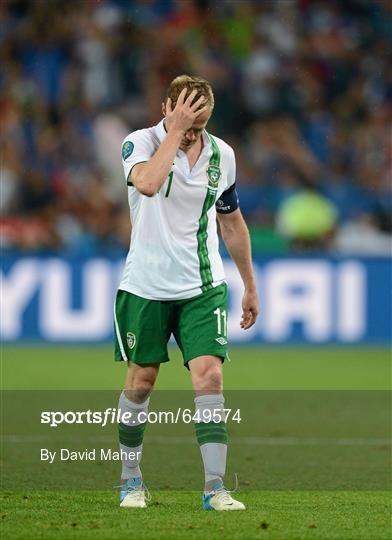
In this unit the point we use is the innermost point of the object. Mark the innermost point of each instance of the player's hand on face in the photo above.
(182, 117)
(250, 309)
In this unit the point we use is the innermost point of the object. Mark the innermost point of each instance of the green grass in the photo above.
(287, 514)
(174, 515)
(250, 368)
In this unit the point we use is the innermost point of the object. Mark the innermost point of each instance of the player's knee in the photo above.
(140, 387)
(210, 379)
(139, 393)
(139, 382)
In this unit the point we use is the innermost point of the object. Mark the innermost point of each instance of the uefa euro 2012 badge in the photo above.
(127, 149)
(214, 174)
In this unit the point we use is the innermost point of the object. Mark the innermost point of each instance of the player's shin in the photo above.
(211, 435)
(131, 431)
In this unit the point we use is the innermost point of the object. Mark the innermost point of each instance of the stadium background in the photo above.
(303, 92)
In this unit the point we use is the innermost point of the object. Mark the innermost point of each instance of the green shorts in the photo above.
(142, 328)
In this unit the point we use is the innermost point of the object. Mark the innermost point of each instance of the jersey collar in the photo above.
(160, 130)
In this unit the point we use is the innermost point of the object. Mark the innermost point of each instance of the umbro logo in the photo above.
(221, 340)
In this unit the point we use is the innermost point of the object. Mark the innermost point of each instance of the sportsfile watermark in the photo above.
(277, 440)
(112, 415)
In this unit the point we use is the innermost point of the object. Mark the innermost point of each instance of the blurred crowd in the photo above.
(302, 91)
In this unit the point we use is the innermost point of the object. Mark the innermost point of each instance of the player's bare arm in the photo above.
(236, 238)
(148, 177)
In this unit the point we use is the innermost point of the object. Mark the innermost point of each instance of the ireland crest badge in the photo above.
(214, 174)
(131, 340)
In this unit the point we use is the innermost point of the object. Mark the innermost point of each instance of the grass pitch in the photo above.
(250, 368)
(173, 514)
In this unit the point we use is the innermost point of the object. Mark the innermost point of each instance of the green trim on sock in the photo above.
(211, 432)
(131, 436)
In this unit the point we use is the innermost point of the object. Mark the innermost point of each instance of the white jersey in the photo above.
(174, 252)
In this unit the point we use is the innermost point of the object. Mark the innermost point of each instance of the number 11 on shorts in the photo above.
(221, 318)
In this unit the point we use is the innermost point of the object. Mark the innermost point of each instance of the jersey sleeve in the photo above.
(231, 171)
(136, 148)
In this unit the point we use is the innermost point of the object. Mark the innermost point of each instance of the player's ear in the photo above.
(163, 108)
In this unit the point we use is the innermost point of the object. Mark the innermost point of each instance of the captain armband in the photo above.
(228, 201)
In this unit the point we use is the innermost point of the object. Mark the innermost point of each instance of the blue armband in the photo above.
(228, 201)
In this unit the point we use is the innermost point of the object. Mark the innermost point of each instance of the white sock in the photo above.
(131, 436)
(212, 438)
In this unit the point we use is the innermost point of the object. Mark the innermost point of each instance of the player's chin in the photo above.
(186, 146)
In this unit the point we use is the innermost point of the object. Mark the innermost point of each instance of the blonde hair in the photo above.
(202, 86)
